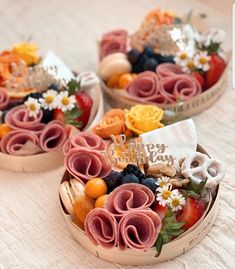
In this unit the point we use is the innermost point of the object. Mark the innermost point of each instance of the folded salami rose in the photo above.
(138, 230)
(18, 118)
(146, 87)
(115, 41)
(4, 99)
(87, 140)
(168, 70)
(85, 163)
(53, 136)
(181, 87)
(20, 143)
(101, 228)
(129, 196)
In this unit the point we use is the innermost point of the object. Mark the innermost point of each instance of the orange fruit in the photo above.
(83, 205)
(124, 80)
(95, 188)
(101, 200)
(113, 81)
(4, 129)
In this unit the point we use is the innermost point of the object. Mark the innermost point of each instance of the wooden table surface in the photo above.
(33, 233)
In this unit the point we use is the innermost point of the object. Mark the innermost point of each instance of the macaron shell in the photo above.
(113, 67)
(67, 197)
(111, 57)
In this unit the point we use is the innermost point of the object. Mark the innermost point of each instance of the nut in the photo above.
(161, 169)
(179, 182)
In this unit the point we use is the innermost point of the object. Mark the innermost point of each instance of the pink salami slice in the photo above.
(84, 163)
(168, 70)
(18, 118)
(115, 41)
(181, 87)
(101, 228)
(138, 230)
(87, 140)
(129, 196)
(20, 143)
(53, 136)
(4, 99)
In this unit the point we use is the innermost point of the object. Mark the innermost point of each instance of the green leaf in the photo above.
(73, 86)
(213, 47)
(177, 20)
(158, 245)
(196, 188)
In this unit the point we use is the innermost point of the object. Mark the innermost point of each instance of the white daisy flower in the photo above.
(202, 61)
(33, 107)
(176, 201)
(162, 181)
(164, 194)
(66, 102)
(182, 57)
(49, 100)
(189, 67)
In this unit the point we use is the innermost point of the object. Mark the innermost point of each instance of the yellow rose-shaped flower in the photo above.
(144, 118)
(28, 52)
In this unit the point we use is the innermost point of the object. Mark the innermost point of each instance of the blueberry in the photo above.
(150, 183)
(130, 178)
(158, 57)
(151, 64)
(47, 115)
(113, 180)
(168, 59)
(139, 66)
(35, 95)
(148, 51)
(133, 56)
(54, 87)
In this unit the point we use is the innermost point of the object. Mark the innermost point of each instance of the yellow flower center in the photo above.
(32, 107)
(65, 101)
(203, 60)
(49, 99)
(175, 202)
(162, 183)
(190, 65)
(183, 56)
(166, 195)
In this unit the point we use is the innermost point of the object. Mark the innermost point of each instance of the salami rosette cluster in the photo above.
(126, 221)
(115, 41)
(29, 135)
(165, 86)
(85, 158)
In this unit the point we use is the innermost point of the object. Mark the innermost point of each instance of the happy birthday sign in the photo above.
(137, 152)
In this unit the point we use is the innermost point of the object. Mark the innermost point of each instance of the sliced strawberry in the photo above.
(191, 212)
(160, 210)
(199, 77)
(58, 115)
(217, 66)
(84, 103)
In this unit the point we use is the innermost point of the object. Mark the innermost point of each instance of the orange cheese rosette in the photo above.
(113, 123)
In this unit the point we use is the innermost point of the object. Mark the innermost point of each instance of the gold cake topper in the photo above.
(135, 151)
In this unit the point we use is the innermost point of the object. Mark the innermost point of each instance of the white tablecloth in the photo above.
(33, 233)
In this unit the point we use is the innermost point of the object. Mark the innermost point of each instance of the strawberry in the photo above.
(217, 66)
(159, 209)
(191, 212)
(199, 77)
(84, 103)
(57, 114)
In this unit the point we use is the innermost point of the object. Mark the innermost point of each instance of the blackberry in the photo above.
(168, 59)
(133, 169)
(47, 115)
(151, 64)
(113, 180)
(35, 95)
(133, 56)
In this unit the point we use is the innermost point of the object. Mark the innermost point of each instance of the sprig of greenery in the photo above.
(73, 86)
(170, 229)
(71, 117)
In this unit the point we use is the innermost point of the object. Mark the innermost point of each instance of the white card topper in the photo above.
(56, 67)
(180, 139)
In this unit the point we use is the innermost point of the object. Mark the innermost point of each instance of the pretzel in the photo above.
(88, 79)
(200, 167)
